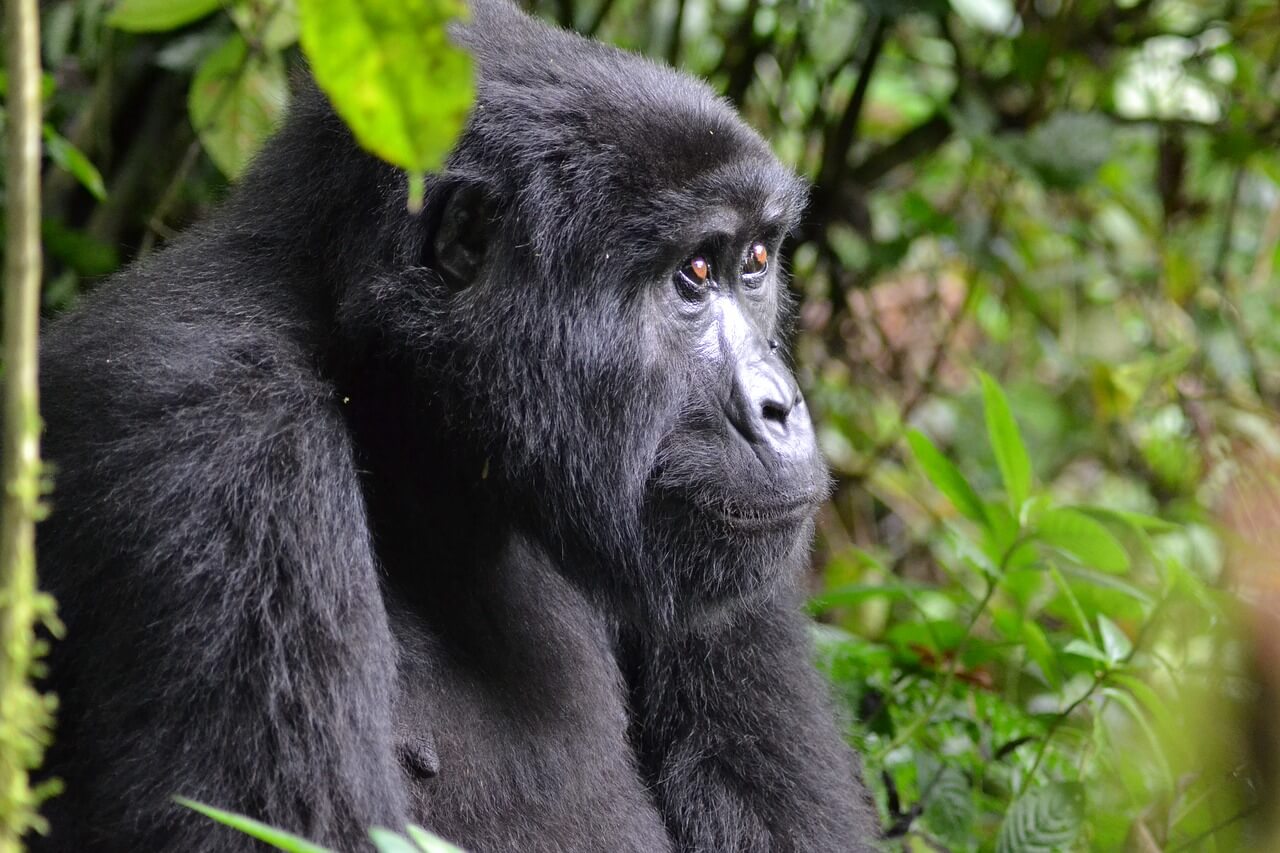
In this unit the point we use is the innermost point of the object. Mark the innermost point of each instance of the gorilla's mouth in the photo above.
(765, 517)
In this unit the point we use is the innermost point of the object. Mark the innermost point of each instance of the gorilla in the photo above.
(490, 517)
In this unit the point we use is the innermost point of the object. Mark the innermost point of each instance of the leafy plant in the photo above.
(415, 840)
(985, 711)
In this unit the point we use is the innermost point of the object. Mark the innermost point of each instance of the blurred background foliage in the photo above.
(1049, 612)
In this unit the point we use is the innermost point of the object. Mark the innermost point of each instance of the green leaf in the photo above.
(387, 841)
(949, 807)
(149, 16)
(392, 74)
(1109, 582)
(946, 477)
(1114, 641)
(1084, 650)
(236, 101)
(1006, 443)
(851, 594)
(1082, 539)
(277, 838)
(1127, 702)
(273, 23)
(429, 842)
(72, 160)
(1019, 629)
(1044, 820)
(1137, 520)
(75, 248)
(1158, 708)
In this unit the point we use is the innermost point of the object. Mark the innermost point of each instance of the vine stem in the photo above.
(1099, 679)
(948, 679)
(21, 729)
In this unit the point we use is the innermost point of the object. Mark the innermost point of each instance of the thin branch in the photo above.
(840, 136)
(1098, 680)
(742, 67)
(1215, 829)
(602, 11)
(24, 714)
(924, 137)
(1228, 227)
(673, 43)
(564, 13)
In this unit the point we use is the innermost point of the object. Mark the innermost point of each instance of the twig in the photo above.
(1216, 828)
(953, 663)
(841, 135)
(24, 715)
(602, 11)
(673, 44)
(1098, 680)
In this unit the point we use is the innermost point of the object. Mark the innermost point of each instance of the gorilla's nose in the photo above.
(769, 411)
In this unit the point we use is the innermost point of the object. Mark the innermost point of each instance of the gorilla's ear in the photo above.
(462, 234)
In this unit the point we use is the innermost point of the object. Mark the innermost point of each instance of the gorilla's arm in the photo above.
(208, 547)
(735, 734)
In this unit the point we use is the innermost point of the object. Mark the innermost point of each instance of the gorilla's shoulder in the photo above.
(188, 334)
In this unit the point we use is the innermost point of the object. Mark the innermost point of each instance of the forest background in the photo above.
(1039, 323)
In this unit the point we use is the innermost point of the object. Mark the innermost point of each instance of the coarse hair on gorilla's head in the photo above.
(591, 299)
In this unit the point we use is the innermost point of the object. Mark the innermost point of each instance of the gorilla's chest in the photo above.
(511, 724)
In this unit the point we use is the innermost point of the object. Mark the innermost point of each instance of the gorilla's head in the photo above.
(598, 300)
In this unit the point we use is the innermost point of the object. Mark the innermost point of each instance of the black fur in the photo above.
(363, 517)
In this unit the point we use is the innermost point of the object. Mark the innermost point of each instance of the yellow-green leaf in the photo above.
(429, 842)
(1006, 443)
(236, 101)
(277, 838)
(148, 16)
(946, 477)
(72, 159)
(270, 23)
(392, 74)
(1083, 539)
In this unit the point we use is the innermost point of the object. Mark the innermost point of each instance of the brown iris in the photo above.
(757, 260)
(699, 268)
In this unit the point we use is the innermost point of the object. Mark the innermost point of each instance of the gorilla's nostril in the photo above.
(776, 412)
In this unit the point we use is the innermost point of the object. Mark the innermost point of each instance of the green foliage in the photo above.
(277, 838)
(999, 771)
(1011, 454)
(142, 16)
(393, 75)
(236, 101)
(1024, 590)
(72, 159)
(1044, 820)
(418, 840)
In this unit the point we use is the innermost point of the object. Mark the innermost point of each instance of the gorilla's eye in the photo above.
(694, 275)
(756, 263)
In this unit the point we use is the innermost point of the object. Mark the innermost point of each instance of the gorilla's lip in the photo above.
(764, 516)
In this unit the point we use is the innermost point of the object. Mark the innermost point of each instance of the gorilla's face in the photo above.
(610, 335)
(735, 476)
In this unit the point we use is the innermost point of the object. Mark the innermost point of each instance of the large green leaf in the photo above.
(949, 806)
(73, 160)
(236, 101)
(392, 74)
(1006, 443)
(270, 23)
(1043, 820)
(277, 838)
(387, 841)
(146, 16)
(1115, 642)
(1083, 539)
(946, 477)
(429, 842)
